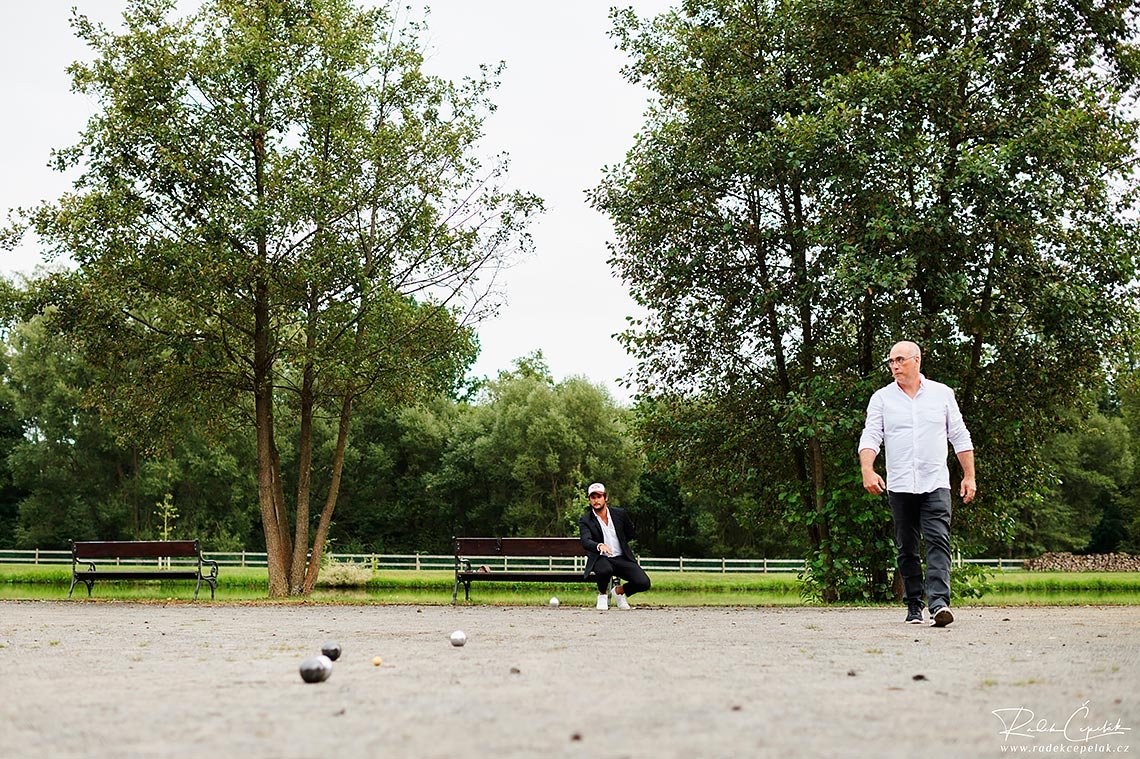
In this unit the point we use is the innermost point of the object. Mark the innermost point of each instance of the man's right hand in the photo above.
(873, 483)
(604, 550)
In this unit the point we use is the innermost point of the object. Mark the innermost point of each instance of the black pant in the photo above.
(607, 566)
(928, 514)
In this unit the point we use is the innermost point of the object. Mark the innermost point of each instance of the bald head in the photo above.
(906, 348)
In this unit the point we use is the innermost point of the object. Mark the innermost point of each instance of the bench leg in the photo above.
(72, 586)
(455, 591)
(211, 581)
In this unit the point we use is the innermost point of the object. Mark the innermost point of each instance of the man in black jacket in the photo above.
(605, 535)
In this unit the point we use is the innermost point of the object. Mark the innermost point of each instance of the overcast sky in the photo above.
(564, 112)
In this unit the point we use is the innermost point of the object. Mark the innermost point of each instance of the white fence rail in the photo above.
(418, 561)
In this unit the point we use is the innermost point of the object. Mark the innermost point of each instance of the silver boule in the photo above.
(316, 669)
(458, 638)
(554, 602)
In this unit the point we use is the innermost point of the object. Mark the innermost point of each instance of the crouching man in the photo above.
(605, 535)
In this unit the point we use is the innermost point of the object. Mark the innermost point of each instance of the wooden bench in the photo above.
(468, 549)
(159, 550)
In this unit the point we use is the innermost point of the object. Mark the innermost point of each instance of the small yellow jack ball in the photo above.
(377, 661)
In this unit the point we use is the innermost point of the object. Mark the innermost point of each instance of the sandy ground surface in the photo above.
(94, 679)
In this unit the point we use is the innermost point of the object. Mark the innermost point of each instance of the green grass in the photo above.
(1065, 582)
(238, 584)
(1061, 589)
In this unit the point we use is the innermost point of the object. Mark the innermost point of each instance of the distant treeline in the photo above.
(509, 456)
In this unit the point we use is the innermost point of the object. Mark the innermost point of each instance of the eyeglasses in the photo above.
(898, 361)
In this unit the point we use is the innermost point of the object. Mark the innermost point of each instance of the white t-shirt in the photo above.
(609, 534)
(915, 431)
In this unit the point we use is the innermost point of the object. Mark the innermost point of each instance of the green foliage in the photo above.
(168, 513)
(72, 479)
(818, 180)
(971, 581)
(516, 461)
(11, 433)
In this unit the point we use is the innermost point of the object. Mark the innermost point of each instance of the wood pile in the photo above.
(1097, 562)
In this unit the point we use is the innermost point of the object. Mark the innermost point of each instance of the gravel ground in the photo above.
(110, 679)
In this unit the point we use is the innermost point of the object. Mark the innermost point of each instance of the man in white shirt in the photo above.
(914, 417)
(605, 534)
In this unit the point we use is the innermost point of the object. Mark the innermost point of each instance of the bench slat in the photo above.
(522, 576)
(519, 547)
(158, 574)
(135, 549)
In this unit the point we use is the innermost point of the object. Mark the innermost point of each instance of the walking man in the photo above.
(914, 417)
(606, 533)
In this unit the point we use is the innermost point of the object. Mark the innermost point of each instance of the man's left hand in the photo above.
(969, 489)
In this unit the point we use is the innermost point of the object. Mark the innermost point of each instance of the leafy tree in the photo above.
(72, 479)
(513, 461)
(1128, 389)
(820, 179)
(278, 214)
(688, 511)
(520, 459)
(1090, 470)
(74, 475)
(393, 505)
(11, 434)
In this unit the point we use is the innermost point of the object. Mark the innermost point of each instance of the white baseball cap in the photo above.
(597, 487)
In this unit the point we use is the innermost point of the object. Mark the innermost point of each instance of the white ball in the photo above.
(458, 638)
(554, 602)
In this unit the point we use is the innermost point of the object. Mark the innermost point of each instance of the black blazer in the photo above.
(591, 533)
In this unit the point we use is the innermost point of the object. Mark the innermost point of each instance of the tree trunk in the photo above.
(298, 570)
(263, 409)
(330, 502)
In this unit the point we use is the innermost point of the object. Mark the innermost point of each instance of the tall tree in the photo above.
(821, 178)
(521, 457)
(278, 213)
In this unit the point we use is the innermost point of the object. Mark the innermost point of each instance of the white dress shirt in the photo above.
(915, 431)
(609, 534)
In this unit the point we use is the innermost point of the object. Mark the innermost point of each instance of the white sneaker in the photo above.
(620, 600)
(941, 616)
(603, 602)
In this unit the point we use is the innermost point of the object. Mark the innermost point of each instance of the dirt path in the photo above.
(84, 679)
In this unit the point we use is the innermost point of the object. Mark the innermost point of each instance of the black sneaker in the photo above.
(914, 613)
(941, 616)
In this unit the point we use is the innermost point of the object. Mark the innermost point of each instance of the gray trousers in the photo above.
(928, 515)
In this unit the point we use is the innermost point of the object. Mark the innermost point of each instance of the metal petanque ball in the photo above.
(331, 650)
(316, 669)
(458, 638)
(554, 602)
